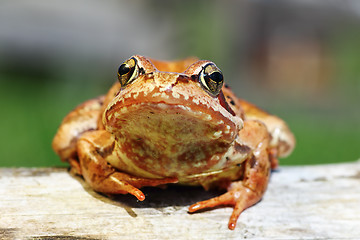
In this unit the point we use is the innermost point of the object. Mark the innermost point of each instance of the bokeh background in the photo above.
(297, 59)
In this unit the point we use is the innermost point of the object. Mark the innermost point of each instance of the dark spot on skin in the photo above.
(95, 178)
(172, 85)
(226, 86)
(141, 71)
(243, 149)
(194, 77)
(106, 151)
(230, 100)
(151, 112)
(252, 161)
(184, 79)
(227, 158)
(148, 76)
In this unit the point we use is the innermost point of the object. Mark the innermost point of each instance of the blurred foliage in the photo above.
(41, 83)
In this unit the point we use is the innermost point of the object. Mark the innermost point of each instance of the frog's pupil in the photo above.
(216, 77)
(124, 69)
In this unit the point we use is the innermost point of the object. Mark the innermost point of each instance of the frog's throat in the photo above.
(228, 166)
(172, 139)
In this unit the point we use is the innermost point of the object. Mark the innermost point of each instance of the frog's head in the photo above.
(171, 119)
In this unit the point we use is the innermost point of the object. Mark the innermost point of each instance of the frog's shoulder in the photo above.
(83, 118)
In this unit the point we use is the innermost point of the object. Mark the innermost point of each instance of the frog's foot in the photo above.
(273, 154)
(94, 149)
(238, 196)
(122, 183)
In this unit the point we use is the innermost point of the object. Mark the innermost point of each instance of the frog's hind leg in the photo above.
(248, 191)
(282, 140)
(94, 148)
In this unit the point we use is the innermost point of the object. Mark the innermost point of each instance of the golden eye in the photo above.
(211, 79)
(128, 72)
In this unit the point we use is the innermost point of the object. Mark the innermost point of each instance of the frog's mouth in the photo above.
(169, 139)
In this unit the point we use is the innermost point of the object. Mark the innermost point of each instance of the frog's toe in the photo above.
(122, 183)
(221, 200)
(239, 198)
(115, 183)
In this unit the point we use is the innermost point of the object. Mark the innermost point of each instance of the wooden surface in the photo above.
(320, 202)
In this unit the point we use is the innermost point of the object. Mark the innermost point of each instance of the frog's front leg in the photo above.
(94, 148)
(245, 193)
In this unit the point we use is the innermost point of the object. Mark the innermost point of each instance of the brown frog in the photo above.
(174, 122)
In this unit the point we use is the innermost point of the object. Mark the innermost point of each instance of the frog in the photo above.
(174, 122)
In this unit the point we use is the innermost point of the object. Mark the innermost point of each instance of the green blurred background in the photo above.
(297, 59)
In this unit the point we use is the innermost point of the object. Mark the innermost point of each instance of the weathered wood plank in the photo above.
(301, 202)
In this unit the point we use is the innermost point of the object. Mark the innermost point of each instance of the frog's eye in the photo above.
(128, 71)
(211, 79)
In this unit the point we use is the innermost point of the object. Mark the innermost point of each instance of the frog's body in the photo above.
(174, 122)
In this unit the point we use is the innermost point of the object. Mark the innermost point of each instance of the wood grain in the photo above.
(320, 201)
